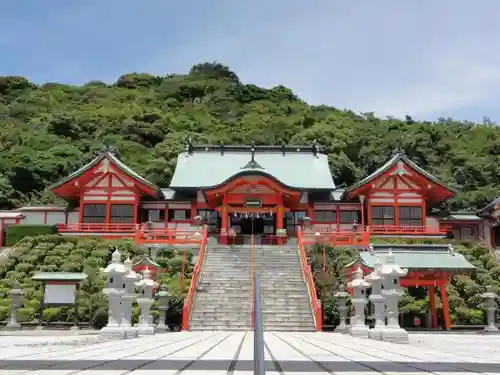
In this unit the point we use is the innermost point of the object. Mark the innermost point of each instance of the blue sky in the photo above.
(426, 58)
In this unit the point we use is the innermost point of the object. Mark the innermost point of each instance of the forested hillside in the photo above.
(47, 131)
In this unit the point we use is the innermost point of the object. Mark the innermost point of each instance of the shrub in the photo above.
(16, 233)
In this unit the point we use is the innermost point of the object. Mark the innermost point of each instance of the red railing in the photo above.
(360, 237)
(252, 276)
(406, 229)
(308, 278)
(188, 302)
(169, 236)
(98, 227)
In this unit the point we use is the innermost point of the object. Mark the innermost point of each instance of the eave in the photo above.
(355, 189)
(62, 187)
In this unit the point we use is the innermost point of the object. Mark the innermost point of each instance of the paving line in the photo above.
(374, 356)
(232, 365)
(142, 352)
(48, 366)
(461, 369)
(190, 363)
(319, 364)
(277, 365)
(419, 349)
(65, 350)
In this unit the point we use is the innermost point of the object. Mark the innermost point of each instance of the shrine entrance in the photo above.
(252, 205)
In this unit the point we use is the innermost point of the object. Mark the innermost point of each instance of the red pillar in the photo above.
(224, 225)
(446, 310)
(432, 299)
(279, 223)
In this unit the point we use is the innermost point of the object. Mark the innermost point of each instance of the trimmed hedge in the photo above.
(16, 233)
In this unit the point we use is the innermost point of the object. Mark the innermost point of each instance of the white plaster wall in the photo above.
(432, 223)
(33, 218)
(73, 217)
(55, 217)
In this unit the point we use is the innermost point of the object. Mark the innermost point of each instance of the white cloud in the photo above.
(391, 57)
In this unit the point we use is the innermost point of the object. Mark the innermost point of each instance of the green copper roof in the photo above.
(107, 154)
(489, 207)
(418, 257)
(59, 276)
(295, 167)
(398, 156)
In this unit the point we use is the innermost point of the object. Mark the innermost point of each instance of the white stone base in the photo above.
(162, 328)
(395, 334)
(131, 332)
(491, 329)
(359, 331)
(12, 327)
(114, 330)
(146, 330)
(376, 333)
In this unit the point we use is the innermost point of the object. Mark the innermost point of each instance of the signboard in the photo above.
(63, 294)
(253, 203)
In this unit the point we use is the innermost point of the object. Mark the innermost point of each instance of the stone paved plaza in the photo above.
(232, 353)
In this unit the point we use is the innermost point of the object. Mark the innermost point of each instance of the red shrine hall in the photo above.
(238, 191)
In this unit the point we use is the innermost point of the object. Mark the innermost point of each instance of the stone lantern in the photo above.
(114, 291)
(145, 300)
(128, 298)
(17, 299)
(377, 299)
(163, 296)
(359, 285)
(490, 301)
(341, 298)
(198, 221)
(307, 224)
(393, 292)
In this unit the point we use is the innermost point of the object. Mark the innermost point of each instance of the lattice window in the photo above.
(350, 217)
(410, 216)
(94, 213)
(382, 215)
(122, 213)
(176, 215)
(330, 216)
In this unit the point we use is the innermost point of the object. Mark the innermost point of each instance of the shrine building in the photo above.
(267, 191)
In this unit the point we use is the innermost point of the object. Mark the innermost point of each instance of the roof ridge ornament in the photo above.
(252, 164)
(315, 147)
(221, 146)
(189, 145)
(107, 148)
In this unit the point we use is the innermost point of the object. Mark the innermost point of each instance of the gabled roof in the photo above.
(392, 162)
(417, 257)
(297, 167)
(490, 207)
(110, 156)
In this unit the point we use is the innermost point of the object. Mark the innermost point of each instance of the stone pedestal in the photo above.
(163, 296)
(114, 291)
(17, 298)
(145, 300)
(490, 301)
(378, 301)
(359, 285)
(392, 293)
(341, 298)
(129, 331)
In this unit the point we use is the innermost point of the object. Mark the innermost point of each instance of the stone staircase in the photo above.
(223, 295)
(222, 301)
(285, 299)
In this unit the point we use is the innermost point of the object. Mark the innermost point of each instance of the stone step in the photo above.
(236, 315)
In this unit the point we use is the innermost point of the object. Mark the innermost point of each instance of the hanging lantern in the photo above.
(257, 215)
